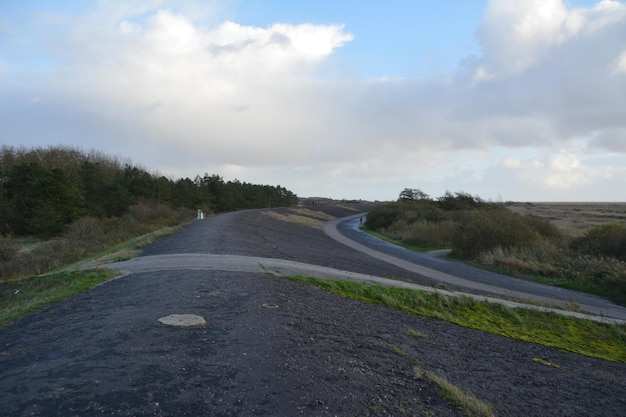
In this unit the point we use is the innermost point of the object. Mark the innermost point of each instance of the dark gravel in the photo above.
(104, 353)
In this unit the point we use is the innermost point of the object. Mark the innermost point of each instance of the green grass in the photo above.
(546, 363)
(399, 242)
(585, 337)
(22, 296)
(126, 250)
(416, 335)
(607, 293)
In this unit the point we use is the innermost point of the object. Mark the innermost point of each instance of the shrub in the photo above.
(460, 201)
(8, 249)
(489, 229)
(395, 215)
(605, 240)
(428, 233)
(383, 216)
(559, 265)
(155, 214)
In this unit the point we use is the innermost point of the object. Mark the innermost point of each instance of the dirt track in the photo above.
(104, 353)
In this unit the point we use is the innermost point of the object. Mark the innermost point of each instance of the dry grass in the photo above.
(87, 236)
(354, 209)
(302, 216)
(574, 219)
(468, 402)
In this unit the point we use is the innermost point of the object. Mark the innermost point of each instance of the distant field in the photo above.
(574, 218)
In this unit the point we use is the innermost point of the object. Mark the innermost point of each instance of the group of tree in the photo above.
(461, 221)
(45, 189)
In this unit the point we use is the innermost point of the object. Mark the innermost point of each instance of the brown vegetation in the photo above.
(575, 245)
(303, 216)
(86, 236)
(573, 219)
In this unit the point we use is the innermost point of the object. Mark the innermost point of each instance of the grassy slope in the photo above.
(599, 340)
(22, 296)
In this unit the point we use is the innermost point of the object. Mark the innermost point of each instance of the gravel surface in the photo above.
(273, 347)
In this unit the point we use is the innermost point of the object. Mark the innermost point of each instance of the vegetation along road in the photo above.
(463, 277)
(273, 346)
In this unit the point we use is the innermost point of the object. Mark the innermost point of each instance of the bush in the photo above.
(383, 216)
(8, 249)
(605, 240)
(523, 245)
(86, 236)
(489, 229)
(155, 214)
(389, 215)
(460, 201)
(558, 264)
(431, 234)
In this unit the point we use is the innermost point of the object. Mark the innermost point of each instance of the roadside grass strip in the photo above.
(599, 340)
(400, 243)
(22, 296)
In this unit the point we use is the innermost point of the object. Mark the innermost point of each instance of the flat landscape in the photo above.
(272, 346)
(574, 218)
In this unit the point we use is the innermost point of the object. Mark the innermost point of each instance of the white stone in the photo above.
(182, 320)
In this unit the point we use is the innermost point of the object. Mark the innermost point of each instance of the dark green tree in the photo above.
(103, 192)
(186, 193)
(138, 183)
(42, 201)
(218, 194)
(413, 194)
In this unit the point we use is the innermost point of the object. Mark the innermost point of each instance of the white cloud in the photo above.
(613, 140)
(511, 162)
(619, 65)
(558, 172)
(189, 95)
(518, 35)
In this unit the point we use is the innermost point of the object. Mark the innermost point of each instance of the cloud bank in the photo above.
(540, 114)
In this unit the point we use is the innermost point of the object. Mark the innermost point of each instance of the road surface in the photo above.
(270, 346)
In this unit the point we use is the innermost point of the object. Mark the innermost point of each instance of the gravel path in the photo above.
(315, 354)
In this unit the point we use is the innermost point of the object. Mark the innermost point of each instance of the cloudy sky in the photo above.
(505, 99)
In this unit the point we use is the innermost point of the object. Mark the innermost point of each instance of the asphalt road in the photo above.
(465, 277)
(271, 346)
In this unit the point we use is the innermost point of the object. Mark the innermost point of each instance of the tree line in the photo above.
(45, 189)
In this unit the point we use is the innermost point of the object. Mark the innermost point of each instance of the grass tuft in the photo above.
(546, 363)
(398, 350)
(416, 335)
(466, 401)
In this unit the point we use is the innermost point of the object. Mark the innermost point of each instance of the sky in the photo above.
(504, 99)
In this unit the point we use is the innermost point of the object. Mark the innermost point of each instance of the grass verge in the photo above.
(126, 250)
(22, 296)
(399, 242)
(598, 340)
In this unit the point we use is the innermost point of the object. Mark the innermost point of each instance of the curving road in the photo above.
(248, 249)
(107, 352)
(465, 277)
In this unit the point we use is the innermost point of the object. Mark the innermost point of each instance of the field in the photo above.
(574, 218)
